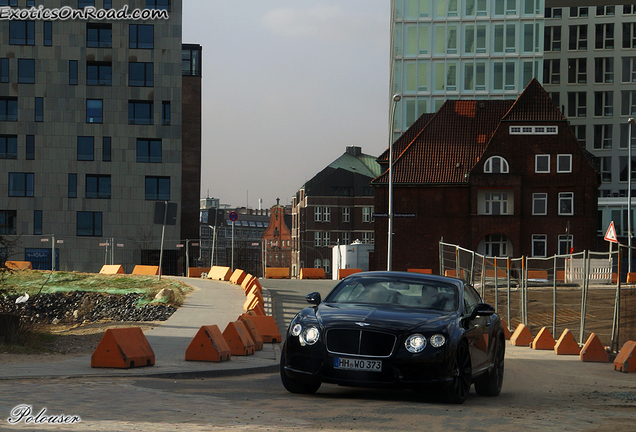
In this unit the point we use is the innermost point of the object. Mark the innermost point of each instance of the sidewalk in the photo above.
(212, 302)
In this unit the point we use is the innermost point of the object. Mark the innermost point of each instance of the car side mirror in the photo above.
(313, 298)
(483, 309)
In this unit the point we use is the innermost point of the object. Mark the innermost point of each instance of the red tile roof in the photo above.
(445, 146)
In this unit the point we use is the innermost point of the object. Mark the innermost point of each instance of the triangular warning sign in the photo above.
(610, 235)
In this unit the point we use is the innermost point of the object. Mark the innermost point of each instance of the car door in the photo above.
(476, 330)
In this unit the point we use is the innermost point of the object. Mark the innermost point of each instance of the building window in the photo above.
(30, 147)
(85, 148)
(496, 245)
(158, 4)
(629, 35)
(140, 74)
(106, 149)
(579, 12)
(577, 104)
(21, 184)
(317, 263)
(564, 163)
(38, 114)
(8, 223)
(367, 214)
(72, 72)
(629, 69)
(552, 38)
(21, 32)
(603, 137)
(72, 185)
(628, 102)
(8, 2)
(317, 238)
(605, 168)
(318, 214)
(81, 4)
(496, 203)
(566, 203)
(577, 71)
(326, 214)
(37, 222)
(604, 70)
(566, 244)
(108, 4)
(368, 238)
(580, 134)
(149, 150)
(99, 35)
(142, 36)
(165, 113)
(539, 203)
(89, 224)
(8, 109)
(605, 36)
(47, 33)
(99, 73)
(539, 245)
(578, 38)
(346, 238)
(346, 214)
(4, 70)
(623, 174)
(496, 165)
(158, 188)
(542, 164)
(191, 60)
(553, 12)
(605, 10)
(604, 104)
(98, 186)
(26, 71)
(140, 112)
(94, 111)
(8, 146)
(551, 71)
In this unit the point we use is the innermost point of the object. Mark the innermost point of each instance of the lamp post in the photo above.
(389, 249)
(630, 122)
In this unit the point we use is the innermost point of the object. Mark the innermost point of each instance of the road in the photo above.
(541, 392)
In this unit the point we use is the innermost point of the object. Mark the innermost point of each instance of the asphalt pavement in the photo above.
(212, 302)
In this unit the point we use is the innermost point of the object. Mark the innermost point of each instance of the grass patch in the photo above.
(28, 340)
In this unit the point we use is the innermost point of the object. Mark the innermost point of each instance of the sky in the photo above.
(287, 86)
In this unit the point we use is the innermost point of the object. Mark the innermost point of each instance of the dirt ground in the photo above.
(72, 340)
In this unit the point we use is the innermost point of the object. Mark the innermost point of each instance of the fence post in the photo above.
(508, 265)
(617, 307)
(472, 269)
(457, 264)
(483, 276)
(524, 282)
(583, 299)
(496, 287)
(554, 297)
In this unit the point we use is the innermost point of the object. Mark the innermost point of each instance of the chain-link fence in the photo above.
(580, 292)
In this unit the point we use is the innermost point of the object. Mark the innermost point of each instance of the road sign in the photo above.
(610, 235)
(233, 216)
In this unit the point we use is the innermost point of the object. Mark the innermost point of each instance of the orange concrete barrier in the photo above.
(253, 299)
(238, 339)
(237, 277)
(343, 273)
(594, 351)
(631, 278)
(625, 361)
(146, 270)
(266, 327)
(560, 275)
(220, 273)
(423, 271)
(277, 273)
(253, 331)
(123, 348)
(312, 273)
(521, 336)
(501, 274)
(112, 269)
(614, 278)
(453, 273)
(566, 345)
(197, 272)
(250, 282)
(18, 265)
(543, 340)
(208, 345)
(538, 274)
(507, 333)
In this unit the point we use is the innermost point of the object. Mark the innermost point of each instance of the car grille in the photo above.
(360, 342)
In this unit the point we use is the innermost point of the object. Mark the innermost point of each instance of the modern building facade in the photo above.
(335, 207)
(91, 135)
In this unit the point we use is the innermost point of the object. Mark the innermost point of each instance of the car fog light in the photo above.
(296, 329)
(311, 335)
(415, 343)
(438, 340)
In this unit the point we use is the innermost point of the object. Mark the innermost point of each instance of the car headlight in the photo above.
(296, 329)
(415, 343)
(437, 340)
(310, 335)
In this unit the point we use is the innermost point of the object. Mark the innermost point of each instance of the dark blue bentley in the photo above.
(396, 329)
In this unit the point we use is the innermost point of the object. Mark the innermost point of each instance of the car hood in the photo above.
(385, 317)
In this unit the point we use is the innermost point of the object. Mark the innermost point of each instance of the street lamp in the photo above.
(389, 249)
(630, 122)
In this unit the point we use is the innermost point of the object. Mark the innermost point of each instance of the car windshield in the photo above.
(429, 294)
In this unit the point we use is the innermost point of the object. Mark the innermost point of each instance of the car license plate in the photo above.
(358, 364)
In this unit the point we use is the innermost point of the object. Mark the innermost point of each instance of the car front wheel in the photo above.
(294, 385)
(459, 387)
(490, 384)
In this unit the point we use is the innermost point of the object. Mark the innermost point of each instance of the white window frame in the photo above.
(565, 241)
(317, 263)
(533, 130)
(567, 158)
(367, 214)
(539, 197)
(326, 214)
(317, 238)
(346, 238)
(317, 214)
(503, 165)
(565, 197)
(540, 238)
(536, 164)
(346, 214)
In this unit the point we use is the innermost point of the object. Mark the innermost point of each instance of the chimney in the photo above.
(354, 151)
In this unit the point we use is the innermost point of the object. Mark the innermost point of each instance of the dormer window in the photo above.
(496, 165)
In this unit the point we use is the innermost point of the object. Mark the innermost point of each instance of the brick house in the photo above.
(334, 207)
(277, 238)
(501, 177)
